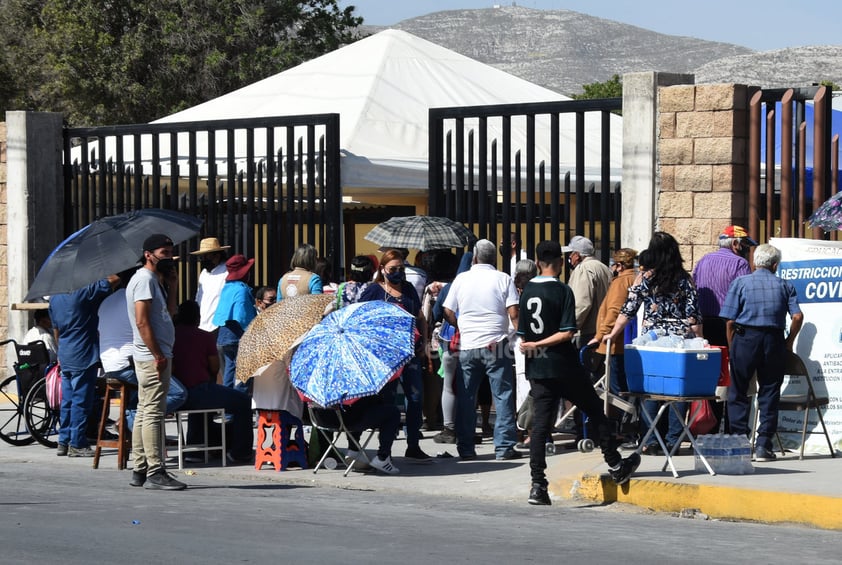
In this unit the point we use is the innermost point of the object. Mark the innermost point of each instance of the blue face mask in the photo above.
(395, 278)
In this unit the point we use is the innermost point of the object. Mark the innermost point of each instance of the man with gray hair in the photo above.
(756, 308)
(485, 300)
(589, 282)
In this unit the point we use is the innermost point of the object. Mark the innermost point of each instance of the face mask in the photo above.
(396, 277)
(165, 266)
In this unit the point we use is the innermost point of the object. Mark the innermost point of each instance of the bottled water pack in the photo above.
(659, 338)
(727, 454)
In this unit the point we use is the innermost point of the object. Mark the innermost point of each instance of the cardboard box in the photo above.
(672, 372)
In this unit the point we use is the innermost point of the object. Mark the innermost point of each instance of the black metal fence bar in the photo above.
(527, 194)
(263, 205)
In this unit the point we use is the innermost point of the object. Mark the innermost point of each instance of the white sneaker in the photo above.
(385, 465)
(361, 461)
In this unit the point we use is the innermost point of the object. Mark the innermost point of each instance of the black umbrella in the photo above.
(107, 246)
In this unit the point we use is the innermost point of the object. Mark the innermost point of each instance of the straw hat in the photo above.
(209, 245)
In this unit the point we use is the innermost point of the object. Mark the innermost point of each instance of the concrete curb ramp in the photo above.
(721, 502)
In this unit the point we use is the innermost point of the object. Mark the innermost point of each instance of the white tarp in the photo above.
(383, 87)
(814, 267)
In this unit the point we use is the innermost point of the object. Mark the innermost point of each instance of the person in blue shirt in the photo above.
(75, 322)
(234, 313)
(755, 309)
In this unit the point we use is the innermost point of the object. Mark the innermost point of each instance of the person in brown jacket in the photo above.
(624, 274)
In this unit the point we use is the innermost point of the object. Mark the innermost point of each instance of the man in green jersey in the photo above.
(547, 325)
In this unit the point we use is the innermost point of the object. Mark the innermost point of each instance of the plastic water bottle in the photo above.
(331, 463)
(549, 447)
(676, 341)
(744, 450)
(701, 449)
(696, 343)
(649, 337)
(728, 455)
(715, 458)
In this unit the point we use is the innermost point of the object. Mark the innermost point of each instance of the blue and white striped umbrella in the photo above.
(353, 352)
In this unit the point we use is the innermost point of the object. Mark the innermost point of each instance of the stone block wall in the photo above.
(702, 145)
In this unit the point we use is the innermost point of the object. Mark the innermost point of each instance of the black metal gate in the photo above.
(262, 185)
(488, 169)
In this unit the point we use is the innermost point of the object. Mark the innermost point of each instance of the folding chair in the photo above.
(330, 423)
(794, 367)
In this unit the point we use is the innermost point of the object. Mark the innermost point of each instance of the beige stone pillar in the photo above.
(702, 156)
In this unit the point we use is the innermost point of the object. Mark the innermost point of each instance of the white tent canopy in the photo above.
(383, 87)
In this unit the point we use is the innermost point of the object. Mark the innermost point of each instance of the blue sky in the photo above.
(760, 25)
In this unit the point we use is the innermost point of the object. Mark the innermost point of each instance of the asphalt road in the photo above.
(61, 514)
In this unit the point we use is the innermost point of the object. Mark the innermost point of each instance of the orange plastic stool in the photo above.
(282, 449)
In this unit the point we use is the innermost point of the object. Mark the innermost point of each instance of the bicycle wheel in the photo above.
(13, 428)
(42, 421)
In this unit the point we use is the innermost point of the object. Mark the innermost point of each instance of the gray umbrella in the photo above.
(420, 232)
(105, 247)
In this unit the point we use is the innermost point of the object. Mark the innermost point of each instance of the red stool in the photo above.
(283, 449)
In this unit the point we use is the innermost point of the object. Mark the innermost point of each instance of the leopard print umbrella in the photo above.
(272, 334)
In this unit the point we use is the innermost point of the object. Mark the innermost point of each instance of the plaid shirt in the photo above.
(760, 299)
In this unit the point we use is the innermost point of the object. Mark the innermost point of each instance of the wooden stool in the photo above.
(283, 450)
(115, 388)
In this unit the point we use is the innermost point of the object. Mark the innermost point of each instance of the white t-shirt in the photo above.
(210, 287)
(514, 260)
(115, 332)
(417, 278)
(37, 333)
(480, 297)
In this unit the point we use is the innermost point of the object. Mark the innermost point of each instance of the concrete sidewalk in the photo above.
(787, 491)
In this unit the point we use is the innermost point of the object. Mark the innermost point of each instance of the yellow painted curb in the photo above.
(715, 501)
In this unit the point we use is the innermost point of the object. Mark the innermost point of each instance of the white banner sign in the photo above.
(814, 267)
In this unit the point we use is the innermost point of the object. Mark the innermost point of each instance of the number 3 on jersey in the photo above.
(536, 324)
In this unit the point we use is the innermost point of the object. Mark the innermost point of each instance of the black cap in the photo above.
(156, 241)
(548, 251)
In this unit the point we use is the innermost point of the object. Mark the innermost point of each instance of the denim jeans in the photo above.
(760, 351)
(147, 443)
(618, 382)
(176, 395)
(229, 373)
(497, 364)
(412, 385)
(236, 403)
(77, 402)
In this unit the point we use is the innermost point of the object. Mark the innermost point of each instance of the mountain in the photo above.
(563, 50)
(781, 68)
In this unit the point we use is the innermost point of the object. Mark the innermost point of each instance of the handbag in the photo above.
(705, 419)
